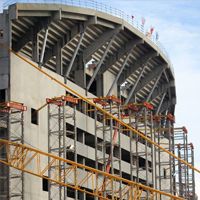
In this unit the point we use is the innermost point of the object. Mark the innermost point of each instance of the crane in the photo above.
(77, 176)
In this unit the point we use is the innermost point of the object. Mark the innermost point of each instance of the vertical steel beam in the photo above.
(159, 158)
(64, 148)
(173, 162)
(170, 158)
(193, 176)
(146, 151)
(131, 146)
(180, 173)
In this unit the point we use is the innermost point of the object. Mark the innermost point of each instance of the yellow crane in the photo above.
(76, 176)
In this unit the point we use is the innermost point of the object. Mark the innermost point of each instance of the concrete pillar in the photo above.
(79, 71)
(99, 85)
(35, 46)
(59, 66)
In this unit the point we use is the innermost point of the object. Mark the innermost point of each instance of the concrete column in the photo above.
(59, 57)
(35, 46)
(79, 73)
(99, 85)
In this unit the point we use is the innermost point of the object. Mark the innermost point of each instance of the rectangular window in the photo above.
(45, 185)
(34, 116)
(2, 95)
(165, 173)
(1, 33)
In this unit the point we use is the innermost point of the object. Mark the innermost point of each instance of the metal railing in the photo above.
(106, 9)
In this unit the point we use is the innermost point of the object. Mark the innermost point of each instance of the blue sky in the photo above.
(178, 25)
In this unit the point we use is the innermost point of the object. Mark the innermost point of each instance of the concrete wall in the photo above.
(4, 52)
(32, 88)
(108, 79)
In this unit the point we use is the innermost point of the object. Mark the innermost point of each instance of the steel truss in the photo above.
(79, 177)
(61, 127)
(12, 129)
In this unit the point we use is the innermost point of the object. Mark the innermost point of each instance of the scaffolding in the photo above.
(12, 129)
(108, 140)
(164, 136)
(139, 116)
(185, 175)
(61, 127)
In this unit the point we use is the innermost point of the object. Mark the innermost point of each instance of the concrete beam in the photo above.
(162, 89)
(98, 43)
(138, 63)
(152, 75)
(134, 87)
(66, 75)
(34, 13)
(73, 33)
(74, 16)
(154, 86)
(27, 37)
(168, 105)
(160, 103)
(100, 62)
(105, 23)
(119, 73)
(120, 53)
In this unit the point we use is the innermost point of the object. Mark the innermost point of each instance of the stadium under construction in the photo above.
(87, 107)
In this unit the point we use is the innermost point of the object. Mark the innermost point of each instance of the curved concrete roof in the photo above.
(147, 71)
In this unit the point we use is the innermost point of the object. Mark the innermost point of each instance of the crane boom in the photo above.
(78, 177)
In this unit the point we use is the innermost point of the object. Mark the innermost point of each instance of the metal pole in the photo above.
(180, 173)
(64, 148)
(146, 151)
(49, 148)
(75, 146)
(111, 148)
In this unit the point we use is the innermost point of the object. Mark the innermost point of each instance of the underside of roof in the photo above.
(142, 71)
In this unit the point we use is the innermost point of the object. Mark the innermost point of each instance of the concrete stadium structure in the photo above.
(97, 55)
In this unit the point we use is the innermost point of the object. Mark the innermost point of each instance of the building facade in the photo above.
(109, 61)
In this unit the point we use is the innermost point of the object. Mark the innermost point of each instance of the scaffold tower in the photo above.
(185, 175)
(61, 127)
(12, 128)
(139, 116)
(108, 140)
(163, 135)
